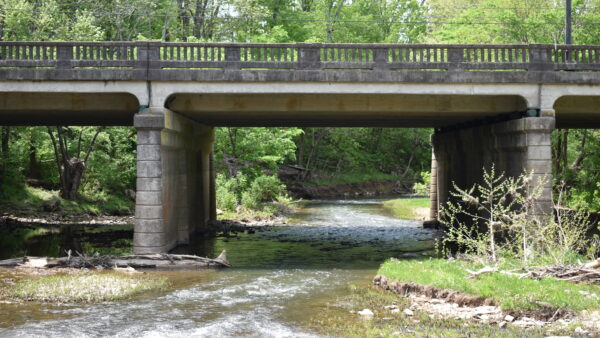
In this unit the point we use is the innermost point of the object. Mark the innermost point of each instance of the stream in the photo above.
(283, 277)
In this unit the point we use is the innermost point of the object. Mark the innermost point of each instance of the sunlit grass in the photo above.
(510, 292)
(408, 208)
(24, 198)
(85, 287)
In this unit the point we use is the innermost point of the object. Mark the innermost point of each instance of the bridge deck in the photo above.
(297, 62)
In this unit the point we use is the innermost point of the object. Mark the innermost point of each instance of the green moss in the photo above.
(85, 288)
(510, 292)
(408, 208)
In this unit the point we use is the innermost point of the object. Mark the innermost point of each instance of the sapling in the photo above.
(499, 204)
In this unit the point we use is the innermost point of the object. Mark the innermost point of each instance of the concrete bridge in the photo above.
(488, 104)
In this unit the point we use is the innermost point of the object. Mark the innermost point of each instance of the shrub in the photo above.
(263, 189)
(226, 193)
(422, 188)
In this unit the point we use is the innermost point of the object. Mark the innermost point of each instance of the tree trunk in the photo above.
(72, 174)
(301, 146)
(558, 155)
(565, 149)
(577, 164)
(199, 18)
(70, 169)
(34, 167)
(5, 135)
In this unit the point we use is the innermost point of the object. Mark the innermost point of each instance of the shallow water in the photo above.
(282, 277)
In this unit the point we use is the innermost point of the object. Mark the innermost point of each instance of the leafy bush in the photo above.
(422, 188)
(263, 189)
(253, 194)
(226, 193)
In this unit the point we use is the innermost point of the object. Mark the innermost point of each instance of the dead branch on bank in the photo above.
(149, 261)
(583, 273)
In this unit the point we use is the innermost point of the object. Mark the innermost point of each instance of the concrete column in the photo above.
(213, 189)
(172, 200)
(433, 192)
(512, 146)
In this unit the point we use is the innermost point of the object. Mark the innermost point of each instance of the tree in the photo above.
(70, 168)
(4, 152)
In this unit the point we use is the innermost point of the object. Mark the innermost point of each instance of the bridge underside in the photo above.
(475, 127)
(342, 110)
(51, 108)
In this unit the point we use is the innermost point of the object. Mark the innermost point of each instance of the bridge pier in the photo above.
(512, 146)
(175, 180)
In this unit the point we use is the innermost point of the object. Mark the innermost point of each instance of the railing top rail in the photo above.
(300, 44)
(74, 43)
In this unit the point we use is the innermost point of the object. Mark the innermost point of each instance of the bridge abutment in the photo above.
(511, 146)
(175, 180)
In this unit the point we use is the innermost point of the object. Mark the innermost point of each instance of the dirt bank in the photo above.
(299, 189)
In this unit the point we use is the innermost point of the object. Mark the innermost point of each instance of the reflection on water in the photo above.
(56, 241)
(281, 278)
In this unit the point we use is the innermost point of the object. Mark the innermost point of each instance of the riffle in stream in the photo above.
(282, 278)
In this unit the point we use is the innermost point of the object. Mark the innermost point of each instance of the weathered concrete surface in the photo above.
(174, 180)
(512, 147)
(363, 104)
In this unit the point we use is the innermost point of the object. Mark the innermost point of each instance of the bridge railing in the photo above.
(300, 56)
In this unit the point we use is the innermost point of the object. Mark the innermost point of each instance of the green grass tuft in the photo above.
(510, 292)
(409, 208)
(84, 288)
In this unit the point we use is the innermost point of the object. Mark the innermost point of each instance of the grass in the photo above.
(339, 319)
(409, 208)
(85, 287)
(352, 178)
(26, 199)
(509, 292)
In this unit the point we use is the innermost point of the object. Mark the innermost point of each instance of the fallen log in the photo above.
(149, 261)
(592, 265)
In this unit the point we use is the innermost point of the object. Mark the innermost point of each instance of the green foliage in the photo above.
(262, 190)
(374, 153)
(227, 193)
(510, 292)
(500, 204)
(264, 195)
(505, 209)
(109, 172)
(422, 187)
